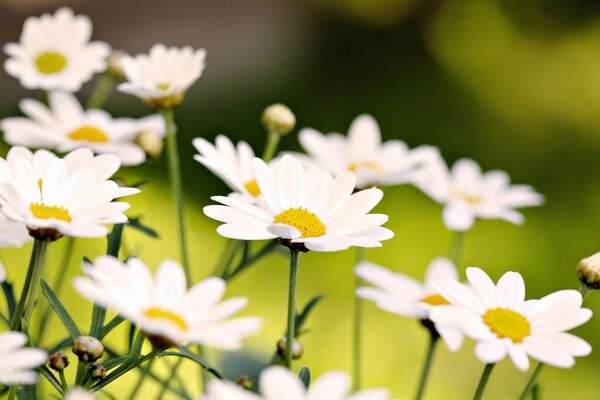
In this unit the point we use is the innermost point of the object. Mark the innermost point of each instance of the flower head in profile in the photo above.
(468, 194)
(64, 125)
(17, 362)
(375, 163)
(162, 77)
(54, 197)
(504, 324)
(163, 308)
(400, 294)
(311, 211)
(278, 383)
(55, 52)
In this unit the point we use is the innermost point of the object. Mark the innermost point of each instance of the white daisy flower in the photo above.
(12, 234)
(375, 163)
(503, 323)
(78, 393)
(313, 211)
(162, 77)
(163, 308)
(17, 361)
(278, 383)
(55, 52)
(54, 197)
(400, 294)
(467, 194)
(65, 125)
(2, 273)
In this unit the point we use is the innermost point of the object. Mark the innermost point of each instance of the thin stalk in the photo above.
(271, 146)
(140, 382)
(229, 252)
(82, 369)
(290, 334)
(485, 376)
(532, 382)
(457, 248)
(12, 392)
(433, 340)
(361, 255)
(165, 383)
(101, 92)
(32, 282)
(63, 380)
(177, 189)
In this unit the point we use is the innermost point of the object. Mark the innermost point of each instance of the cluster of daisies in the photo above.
(320, 200)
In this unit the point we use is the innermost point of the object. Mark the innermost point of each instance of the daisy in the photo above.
(162, 77)
(278, 383)
(65, 125)
(163, 308)
(78, 393)
(467, 194)
(503, 323)
(17, 361)
(403, 295)
(2, 273)
(54, 197)
(311, 211)
(12, 234)
(55, 52)
(375, 163)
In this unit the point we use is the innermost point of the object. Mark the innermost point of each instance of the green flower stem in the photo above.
(63, 380)
(231, 248)
(271, 146)
(485, 376)
(165, 383)
(433, 340)
(177, 189)
(140, 382)
(532, 382)
(361, 255)
(101, 92)
(457, 248)
(82, 368)
(290, 334)
(32, 283)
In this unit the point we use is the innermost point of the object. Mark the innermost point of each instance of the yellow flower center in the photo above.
(89, 134)
(470, 198)
(159, 313)
(435, 300)
(370, 165)
(252, 188)
(40, 210)
(300, 218)
(50, 62)
(163, 86)
(507, 323)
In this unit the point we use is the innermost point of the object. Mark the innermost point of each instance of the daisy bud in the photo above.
(588, 271)
(88, 348)
(151, 143)
(115, 64)
(279, 119)
(244, 381)
(297, 348)
(97, 371)
(58, 361)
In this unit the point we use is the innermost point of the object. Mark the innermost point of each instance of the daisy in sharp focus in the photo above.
(504, 324)
(468, 194)
(53, 198)
(278, 383)
(162, 77)
(163, 308)
(55, 52)
(375, 163)
(17, 362)
(314, 211)
(402, 295)
(65, 125)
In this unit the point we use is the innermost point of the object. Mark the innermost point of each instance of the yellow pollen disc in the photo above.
(159, 313)
(473, 199)
(507, 323)
(435, 300)
(50, 62)
(370, 165)
(300, 218)
(163, 86)
(40, 210)
(89, 134)
(252, 188)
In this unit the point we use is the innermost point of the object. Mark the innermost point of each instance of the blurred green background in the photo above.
(513, 84)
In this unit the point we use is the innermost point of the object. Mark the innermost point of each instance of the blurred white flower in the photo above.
(503, 323)
(55, 52)
(78, 393)
(64, 125)
(16, 361)
(163, 308)
(52, 198)
(311, 210)
(400, 294)
(278, 383)
(468, 194)
(162, 77)
(2, 273)
(12, 234)
(375, 163)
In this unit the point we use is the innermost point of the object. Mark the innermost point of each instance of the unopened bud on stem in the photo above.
(58, 361)
(588, 271)
(278, 119)
(97, 371)
(297, 348)
(88, 348)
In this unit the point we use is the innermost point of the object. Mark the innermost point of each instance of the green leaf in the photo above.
(304, 376)
(60, 345)
(9, 294)
(112, 324)
(46, 373)
(186, 353)
(114, 240)
(60, 310)
(303, 315)
(136, 223)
